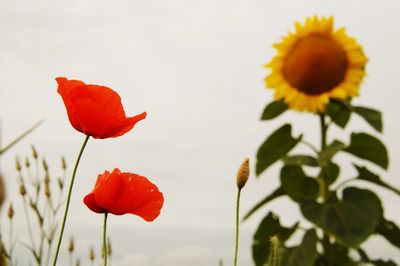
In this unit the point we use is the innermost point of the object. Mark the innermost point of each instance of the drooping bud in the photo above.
(10, 213)
(243, 174)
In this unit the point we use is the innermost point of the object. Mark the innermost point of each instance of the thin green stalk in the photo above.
(325, 188)
(237, 228)
(69, 199)
(105, 239)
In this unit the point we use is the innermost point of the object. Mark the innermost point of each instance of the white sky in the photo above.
(196, 68)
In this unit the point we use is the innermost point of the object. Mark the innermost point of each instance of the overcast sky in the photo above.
(196, 67)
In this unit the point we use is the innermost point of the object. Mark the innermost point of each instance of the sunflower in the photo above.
(315, 64)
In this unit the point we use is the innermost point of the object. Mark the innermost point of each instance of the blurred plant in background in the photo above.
(319, 70)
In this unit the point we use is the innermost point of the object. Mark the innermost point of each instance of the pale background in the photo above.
(196, 67)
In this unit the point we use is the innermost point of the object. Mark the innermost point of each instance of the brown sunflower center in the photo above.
(316, 64)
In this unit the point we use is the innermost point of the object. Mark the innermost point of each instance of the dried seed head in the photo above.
(71, 245)
(10, 213)
(34, 152)
(243, 174)
(91, 254)
(47, 178)
(27, 162)
(60, 183)
(63, 163)
(22, 189)
(18, 164)
(2, 191)
(45, 166)
(47, 191)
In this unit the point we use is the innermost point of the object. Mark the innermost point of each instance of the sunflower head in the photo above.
(314, 64)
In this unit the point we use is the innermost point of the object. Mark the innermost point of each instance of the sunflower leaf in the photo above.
(269, 226)
(306, 252)
(332, 171)
(275, 194)
(297, 185)
(329, 151)
(367, 175)
(274, 109)
(350, 220)
(277, 145)
(372, 116)
(390, 231)
(339, 112)
(369, 148)
(300, 160)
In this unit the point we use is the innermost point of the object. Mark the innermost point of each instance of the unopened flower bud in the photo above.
(22, 189)
(34, 152)
(10, 213)
(71, 245)
(243, 174)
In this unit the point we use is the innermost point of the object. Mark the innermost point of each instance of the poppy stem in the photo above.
(105, 239)
(237, 227)
(69, 199)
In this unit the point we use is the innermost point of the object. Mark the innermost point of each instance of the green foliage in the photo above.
(274, 109)
(277, 145)
(350, 220)
(369, 148)
(346, 221)
(269, 227)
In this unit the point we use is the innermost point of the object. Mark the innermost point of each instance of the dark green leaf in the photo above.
(269, 226)
(275, 194)
(329, 151)
(367, 175)
(339, 112)
(277, 145)
(274, 109)
(350, 220)
(300, 160)
(373, 117)
(332, 172)
(390, 231)
(297, 185)
(364, 258)
(369, 148)
(306, 252)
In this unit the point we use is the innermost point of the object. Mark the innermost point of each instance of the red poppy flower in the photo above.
(121, 193)
(95, 110)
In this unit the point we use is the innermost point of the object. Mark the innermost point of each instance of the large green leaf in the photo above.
(350, 220)
(300, 160)
(274, 109)
(269, 226)
(297, 185)
(339, 112)
(277, 145)
(367, 175)
(372, 116)
(329, 151)
(332, 171)
(390, 231)
(369, 148)
(306, 252)
(364, 258)
(275, 194)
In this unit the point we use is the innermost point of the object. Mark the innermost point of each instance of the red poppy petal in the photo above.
(91, 203)
(109, 190)
(151, 209)
(129, 123)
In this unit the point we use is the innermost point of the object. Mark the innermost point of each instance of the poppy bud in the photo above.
(10, 213)
(34, 152)
(243, 174)
(22, 189)
(71, 245)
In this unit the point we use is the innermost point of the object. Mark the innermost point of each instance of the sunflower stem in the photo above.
(105, 239)
(237, 227)
(324, 187)
(69, 199)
